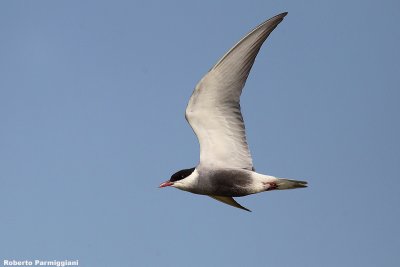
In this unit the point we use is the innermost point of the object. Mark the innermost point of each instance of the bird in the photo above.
(225, 169)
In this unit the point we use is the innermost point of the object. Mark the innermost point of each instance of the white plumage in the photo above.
(226, 167)
(213, 110)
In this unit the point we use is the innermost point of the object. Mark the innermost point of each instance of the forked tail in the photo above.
(283, 184)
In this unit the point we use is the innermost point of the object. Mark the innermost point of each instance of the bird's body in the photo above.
(226, 182)
(226, 167)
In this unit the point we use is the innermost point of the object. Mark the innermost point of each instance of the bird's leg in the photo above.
(270, 186)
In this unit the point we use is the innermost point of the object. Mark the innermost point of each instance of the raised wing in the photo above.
(213, 110)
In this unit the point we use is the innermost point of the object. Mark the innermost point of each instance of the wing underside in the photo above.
(230, 201)
(213, 110)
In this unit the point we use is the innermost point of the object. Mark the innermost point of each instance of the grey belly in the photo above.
(224, 182)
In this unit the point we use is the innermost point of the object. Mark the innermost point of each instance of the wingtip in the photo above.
(243, 208)
(282, 15)
(278, 18)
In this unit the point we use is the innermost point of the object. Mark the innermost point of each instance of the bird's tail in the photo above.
(283, 184)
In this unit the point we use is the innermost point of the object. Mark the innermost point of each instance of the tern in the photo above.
(226, 168)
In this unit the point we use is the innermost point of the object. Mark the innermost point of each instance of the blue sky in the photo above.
(92, 97)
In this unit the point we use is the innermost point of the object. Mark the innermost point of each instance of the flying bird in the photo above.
(226, 168)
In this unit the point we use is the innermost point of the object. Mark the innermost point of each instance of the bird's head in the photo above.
(177, 177)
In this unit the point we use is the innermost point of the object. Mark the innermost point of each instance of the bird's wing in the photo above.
(230, 201)
(213, 110)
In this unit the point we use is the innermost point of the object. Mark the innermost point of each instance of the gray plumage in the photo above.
(226, 168)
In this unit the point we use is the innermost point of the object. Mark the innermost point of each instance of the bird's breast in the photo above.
(225, 182)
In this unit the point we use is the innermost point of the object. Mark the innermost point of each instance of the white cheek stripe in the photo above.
(188, 182)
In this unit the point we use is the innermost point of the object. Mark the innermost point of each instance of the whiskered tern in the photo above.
(226, 168)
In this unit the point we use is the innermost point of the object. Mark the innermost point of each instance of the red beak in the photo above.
(167, 183)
